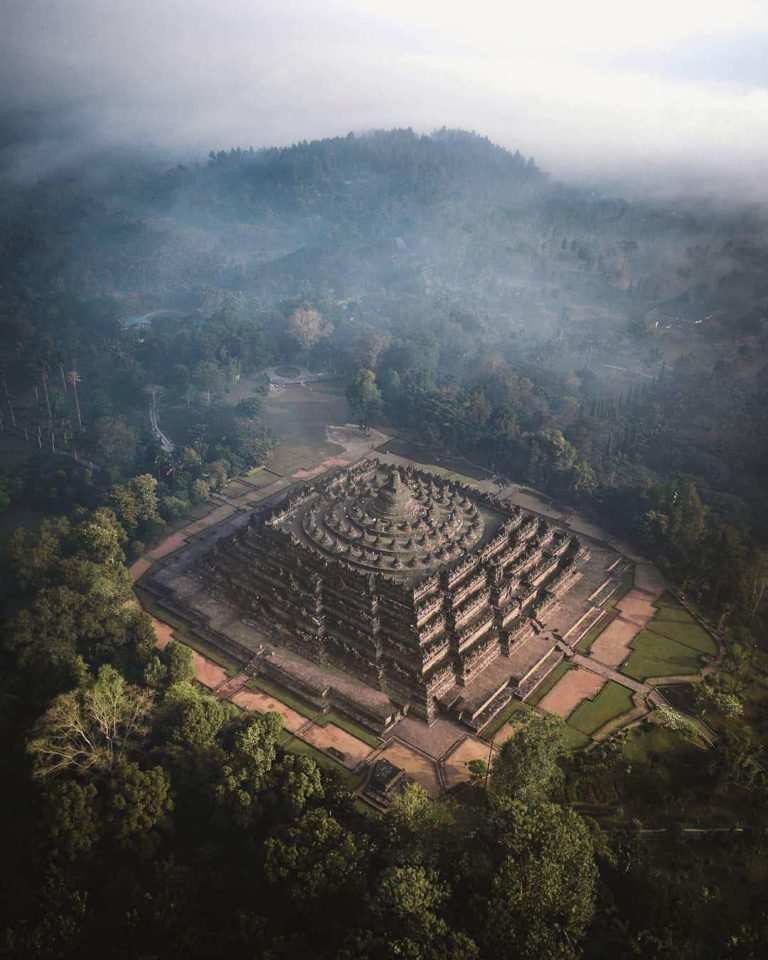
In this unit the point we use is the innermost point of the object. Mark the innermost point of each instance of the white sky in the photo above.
(587, 87)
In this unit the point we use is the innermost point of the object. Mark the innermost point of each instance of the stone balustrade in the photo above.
(464, 591)
(478, 658)
(465, 636)
(427, 609)
(432, 629)
(475, 603)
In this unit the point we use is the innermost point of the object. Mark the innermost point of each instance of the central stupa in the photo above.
(409, 581)
(389, 523)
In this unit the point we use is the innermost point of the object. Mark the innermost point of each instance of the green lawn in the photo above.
(655, 655)
(574, 739)
(612, 701)
(671, 611)
(672, 643)
(649, 740)
(689, 634)
(546, 685)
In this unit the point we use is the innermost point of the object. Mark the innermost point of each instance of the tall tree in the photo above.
(526, 767)
(543, 892)
(91, 728)
(364, 396)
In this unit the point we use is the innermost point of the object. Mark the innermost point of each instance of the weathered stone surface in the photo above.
(412, 583)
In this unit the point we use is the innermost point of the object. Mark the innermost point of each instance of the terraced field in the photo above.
(612, 701)
(672, 644)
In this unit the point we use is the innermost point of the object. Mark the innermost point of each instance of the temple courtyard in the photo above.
(558, 652)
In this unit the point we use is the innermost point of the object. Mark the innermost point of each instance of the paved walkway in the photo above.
(301, 376)
(609, 673)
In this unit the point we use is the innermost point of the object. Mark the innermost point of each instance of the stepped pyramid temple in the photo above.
(424, 589)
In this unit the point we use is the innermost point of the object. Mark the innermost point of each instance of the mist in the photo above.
(661, 98)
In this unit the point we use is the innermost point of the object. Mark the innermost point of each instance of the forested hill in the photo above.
(337, 174)
(399, 210)
(641, 326)
(609, 354)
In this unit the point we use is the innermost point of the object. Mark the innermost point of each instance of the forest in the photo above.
(608, 353)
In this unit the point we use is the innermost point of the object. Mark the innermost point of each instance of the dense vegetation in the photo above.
(610, 354)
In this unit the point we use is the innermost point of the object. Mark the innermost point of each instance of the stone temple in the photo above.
(413, 584)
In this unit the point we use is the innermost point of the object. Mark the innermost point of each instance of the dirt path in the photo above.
(421, 768)
(573, 688)
(614, 644)
(207, 672)
(609, 673)
(455, 764)
(260, 702)
(333, 737)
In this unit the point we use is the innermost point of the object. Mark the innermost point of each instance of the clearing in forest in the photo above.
(299, 416)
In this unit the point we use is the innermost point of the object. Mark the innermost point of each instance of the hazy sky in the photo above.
(585, 86)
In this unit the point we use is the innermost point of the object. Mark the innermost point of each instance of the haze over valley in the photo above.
(383, 480)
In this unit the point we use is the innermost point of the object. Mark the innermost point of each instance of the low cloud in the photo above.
(592, 90)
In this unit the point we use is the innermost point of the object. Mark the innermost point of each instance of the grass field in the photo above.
(672, 643)
(656, 655)
(546, 685)
(612, 701)
(298, 416)
(648, 741)
(574, 739)
(306, 709)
